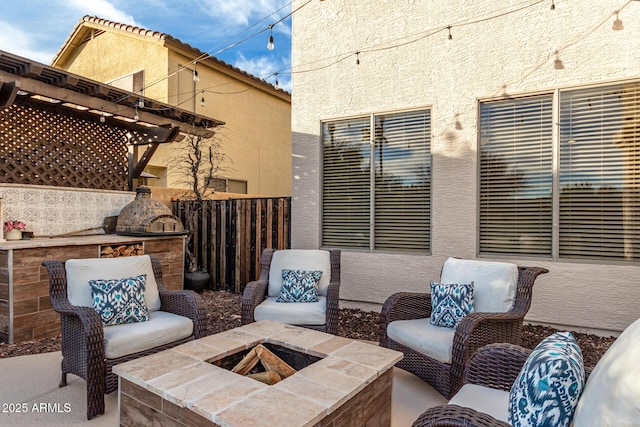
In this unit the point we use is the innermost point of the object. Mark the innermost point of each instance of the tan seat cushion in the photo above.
(299, 259)
(421, 336)
(80, 271)
(494, 283)
(293, 313)
(161, 328)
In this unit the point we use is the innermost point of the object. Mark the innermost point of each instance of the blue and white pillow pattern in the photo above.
(299, 286)
(450, 303)
(120, 301)
(549, 385)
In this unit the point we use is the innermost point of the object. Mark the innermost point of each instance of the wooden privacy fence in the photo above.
(229, 236)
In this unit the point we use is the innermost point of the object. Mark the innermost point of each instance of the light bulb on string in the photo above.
(449, 29)
(553, 5)
(276, 74)
(141, 102)
(358, 58)
(196, 78)
(617, 24)
(202, 101)
(102, 118)
(136, 116)
(557, 64)
(270, 44)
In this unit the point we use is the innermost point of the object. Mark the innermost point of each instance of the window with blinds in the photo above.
(598, 174)
(387, 208)
(516, 176)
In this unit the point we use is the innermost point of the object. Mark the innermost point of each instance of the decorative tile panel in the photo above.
(49, 211)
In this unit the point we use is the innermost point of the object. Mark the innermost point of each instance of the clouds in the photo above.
(264, 68)
(243, 12)
(101, 8)
(37, 29)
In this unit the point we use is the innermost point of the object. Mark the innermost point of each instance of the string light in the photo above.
(449, 29)
(553, 5)
(270, 44)
(358, 58)
(617, 24)
(202, 100)
(136, 116)
(276, 74)
(102, 118)
(557, 64)
(196, 78)
(141, 102)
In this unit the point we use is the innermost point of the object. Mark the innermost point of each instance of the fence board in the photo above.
(229, 236)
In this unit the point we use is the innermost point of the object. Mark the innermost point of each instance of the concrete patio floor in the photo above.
(30, 383)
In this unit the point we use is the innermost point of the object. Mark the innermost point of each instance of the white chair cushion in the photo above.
(611, 396)
(421, 336)
(293, 313)
(161, 328)
(483, 399)
(494, 283)
(299, 259)
(80, 271)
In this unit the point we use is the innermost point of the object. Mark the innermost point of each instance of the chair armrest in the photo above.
(477, 330)
(254, 293)
(496, 365)
(333, 308)
(186, 303)
(403, 306)
(455, 416)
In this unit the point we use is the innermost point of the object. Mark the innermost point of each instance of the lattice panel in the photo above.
(42, 145)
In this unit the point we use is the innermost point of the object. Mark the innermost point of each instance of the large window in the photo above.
(574, 194)
(376, 186)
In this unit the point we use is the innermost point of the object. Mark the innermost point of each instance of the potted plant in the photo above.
(13, 229)
(198, 161)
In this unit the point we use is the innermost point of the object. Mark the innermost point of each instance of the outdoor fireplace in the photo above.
(147, 217)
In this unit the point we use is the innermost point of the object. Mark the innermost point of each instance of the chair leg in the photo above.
(63, 380)
(95, 396)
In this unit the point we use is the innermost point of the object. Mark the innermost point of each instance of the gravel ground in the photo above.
(223, 313)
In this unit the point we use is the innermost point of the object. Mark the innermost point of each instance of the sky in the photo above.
(36, 29)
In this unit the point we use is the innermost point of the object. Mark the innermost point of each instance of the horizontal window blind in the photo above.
(599, 175)
(346, 183)
(516, 178)
(402, 181)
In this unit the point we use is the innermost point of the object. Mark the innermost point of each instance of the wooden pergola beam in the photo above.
(65, 95)
(8, 92)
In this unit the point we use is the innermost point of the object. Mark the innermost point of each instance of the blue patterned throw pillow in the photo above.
(299, 286)
(120, 301)
(549, 385)
(450, 303)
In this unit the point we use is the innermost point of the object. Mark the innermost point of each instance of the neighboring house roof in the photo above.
(64, 87)
(82, 28)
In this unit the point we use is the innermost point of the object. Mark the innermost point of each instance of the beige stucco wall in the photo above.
(513, 54)
(256, 137)
(112, 55)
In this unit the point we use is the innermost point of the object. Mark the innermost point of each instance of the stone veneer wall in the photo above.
(24, 283)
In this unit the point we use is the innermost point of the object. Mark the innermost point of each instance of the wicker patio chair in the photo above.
(258, 298)
(83, 345)
(474, 331)
(495, 366)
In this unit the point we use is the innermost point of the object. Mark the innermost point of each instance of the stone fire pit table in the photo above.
(349, 386)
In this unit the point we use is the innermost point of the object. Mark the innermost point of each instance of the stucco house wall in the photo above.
(407, 61)
(256, 137)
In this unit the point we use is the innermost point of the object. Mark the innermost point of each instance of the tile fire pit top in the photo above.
(183, 376)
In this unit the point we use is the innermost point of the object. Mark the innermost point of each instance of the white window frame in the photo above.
(556, 155)
(372, 182)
